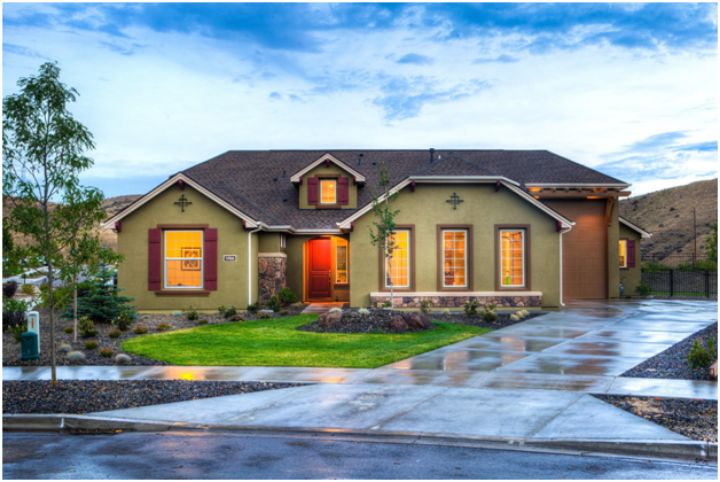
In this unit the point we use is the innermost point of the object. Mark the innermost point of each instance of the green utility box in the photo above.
(29, 346)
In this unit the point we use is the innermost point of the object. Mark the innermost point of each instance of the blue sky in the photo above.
(626, 88)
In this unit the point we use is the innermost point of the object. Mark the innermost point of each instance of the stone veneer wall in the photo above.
(452, 301)
(272, 274)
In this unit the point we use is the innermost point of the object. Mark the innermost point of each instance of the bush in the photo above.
(64, 348)
(13, 312)
(643, 290)
(106, 352)
(230, 311)
(253, 308)
(114, 333)
(68, 330)
(98, 299)
(699, 357)
(202, 322)
(17, 331)
(425, 306)
(488, 313)
(86, 327)
(91, 344)
(163, 327)
(192, 315)
(140, 330)
(363, 312)
(274, 303)
(27, 289)
(287, 296)
(654, 267)
(9, 289)
(123, 320)
(221, 310)
(470, 307)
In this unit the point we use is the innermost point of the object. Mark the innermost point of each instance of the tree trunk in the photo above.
(75, 308)
(51, 307)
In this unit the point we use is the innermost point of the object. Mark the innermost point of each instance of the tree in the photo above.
(381, 231)
(43, 155)
(711, 244)
(79, 215)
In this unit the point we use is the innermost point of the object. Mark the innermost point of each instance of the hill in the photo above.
(112, 206)
(668, 215)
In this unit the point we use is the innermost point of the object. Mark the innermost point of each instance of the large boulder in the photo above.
(418, 321)
(330, 318)
(398, 323)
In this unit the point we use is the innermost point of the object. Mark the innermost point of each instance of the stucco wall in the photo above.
(232, 239)
(631, 277)
(295, 274)
(483, 207)
(331, 170)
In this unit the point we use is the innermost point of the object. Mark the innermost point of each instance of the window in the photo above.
(397, 267)
(283, 241)
(623, 252)
(512, 258)
(341, 261)
(328, 191)
(184, 259)
(454, 258)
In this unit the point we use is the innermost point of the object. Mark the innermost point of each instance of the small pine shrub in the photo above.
(99, 299)
(643, 290)
(91, 344)
(123, 320)
(192, 315)
(202, 322)
(230, 312)
(68, 330)
(274, 303)
(114, 333)
(162, 327)
(287, 296)
(9, 289)
(106, 352)
(86, 327)
(27, 289)
(470, 307)
(140, 330)
(253, 308)
(699, 357)
(221, 310)
(425, 306)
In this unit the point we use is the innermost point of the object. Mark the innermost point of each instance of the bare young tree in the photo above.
(382, 229)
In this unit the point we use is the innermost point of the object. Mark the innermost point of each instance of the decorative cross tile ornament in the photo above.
(454, 200)
(182, 202)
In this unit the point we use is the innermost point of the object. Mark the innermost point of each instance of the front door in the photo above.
(319, 266)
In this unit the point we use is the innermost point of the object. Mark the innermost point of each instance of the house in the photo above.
(518, 228)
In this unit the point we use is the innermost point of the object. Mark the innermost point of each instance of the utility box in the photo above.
(29, 343)
(33, 325)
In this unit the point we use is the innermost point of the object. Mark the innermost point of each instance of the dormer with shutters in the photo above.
(328, 183)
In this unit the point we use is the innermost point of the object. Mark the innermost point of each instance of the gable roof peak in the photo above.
(327, 157)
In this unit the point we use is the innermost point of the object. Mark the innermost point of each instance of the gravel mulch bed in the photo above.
(83, 396)
(177, 321)
(696, 419)
(503, 319)
(672, 363)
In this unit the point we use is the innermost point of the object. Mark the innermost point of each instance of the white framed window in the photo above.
(397, 267)
(342, 261)
(622, 253)
(454, 258)
(512, 258)
(328, 191)
(183, 259)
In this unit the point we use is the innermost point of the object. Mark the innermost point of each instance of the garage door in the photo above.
(584, 249)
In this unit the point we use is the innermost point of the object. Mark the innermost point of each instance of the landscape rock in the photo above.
(64, 347)
(122, 359)
(398, 323)
(76, 356)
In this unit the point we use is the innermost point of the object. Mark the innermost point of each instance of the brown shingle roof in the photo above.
(258, 182)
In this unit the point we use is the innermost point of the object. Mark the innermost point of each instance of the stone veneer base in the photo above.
(449, 300)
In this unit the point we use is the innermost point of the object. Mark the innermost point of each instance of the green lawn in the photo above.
(276, 342)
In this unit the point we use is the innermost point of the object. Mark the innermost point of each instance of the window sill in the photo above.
(170, 292)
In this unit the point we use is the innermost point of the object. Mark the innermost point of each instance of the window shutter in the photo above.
(210, 258)
(630, 253)
(154, 259)
(312, 187)
(343, 190)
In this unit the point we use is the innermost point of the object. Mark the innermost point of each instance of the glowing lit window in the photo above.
(397, 266)
(512, 258)
(454, 258)
(341, 262)
(622, 252)
(328, 191)
(183, 259)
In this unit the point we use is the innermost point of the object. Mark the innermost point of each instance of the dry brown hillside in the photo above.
(113, 205)
(667, 214)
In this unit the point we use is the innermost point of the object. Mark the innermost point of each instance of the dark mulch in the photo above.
(503, 319)
(673, 362)
(375, 321)
(696, 419)
(83, 396)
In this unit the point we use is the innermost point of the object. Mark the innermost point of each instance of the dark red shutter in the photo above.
(630, 253)
(343, 190)
(312, 183)
(154, 259)
(210, 259)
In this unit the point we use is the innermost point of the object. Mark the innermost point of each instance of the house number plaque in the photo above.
(230, 257)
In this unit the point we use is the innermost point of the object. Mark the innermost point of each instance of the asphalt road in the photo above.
(197, 455)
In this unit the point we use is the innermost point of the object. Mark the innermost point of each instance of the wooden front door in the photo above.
(319, 268)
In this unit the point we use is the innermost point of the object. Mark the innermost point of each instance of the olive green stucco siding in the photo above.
(232, 240)
(483, 207)
(329, 171)
(631, 277)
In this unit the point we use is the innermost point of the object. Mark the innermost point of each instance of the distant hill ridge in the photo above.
(667, 214)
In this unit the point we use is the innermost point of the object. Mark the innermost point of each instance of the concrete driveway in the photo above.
(529, 381)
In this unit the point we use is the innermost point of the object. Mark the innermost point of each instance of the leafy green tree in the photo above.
(10, 261)
(381, 231)
(43, 154)
(711, 244)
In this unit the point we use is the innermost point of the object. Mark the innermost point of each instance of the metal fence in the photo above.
(681, 284)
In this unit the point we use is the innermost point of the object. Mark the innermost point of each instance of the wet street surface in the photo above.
(232, 455)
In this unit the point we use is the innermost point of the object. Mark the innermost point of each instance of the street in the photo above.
(236, 455)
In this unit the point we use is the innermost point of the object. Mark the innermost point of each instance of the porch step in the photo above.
(323, 307)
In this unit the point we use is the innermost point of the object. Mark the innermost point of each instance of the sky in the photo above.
(629, 89)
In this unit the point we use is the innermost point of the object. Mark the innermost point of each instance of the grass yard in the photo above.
(277, 342)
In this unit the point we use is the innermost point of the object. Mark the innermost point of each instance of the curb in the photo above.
(85, 424)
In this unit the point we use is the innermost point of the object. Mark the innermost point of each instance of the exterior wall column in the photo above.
(613, 238)
(272, 274)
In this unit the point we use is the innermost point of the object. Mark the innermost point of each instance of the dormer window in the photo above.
(328, 191)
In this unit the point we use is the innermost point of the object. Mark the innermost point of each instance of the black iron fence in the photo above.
(681, 284)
